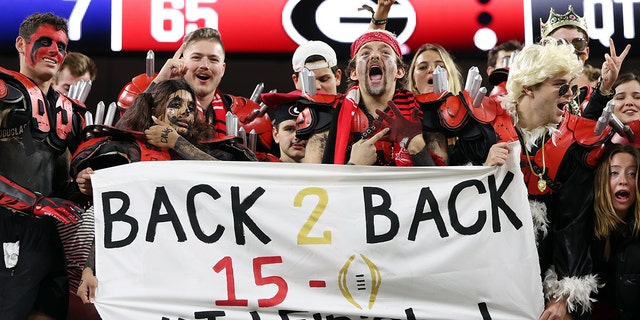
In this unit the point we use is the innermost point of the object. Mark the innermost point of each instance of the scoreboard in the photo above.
(102, 27)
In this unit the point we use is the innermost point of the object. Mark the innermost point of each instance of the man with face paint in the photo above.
(37, 127)
(377, 99)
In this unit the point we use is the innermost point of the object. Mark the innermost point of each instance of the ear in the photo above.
(587, 51)
(20, 43)
(490, 69)
(527, 91)
(296, 83)
(353, 75)
(224, 67)
(400, 73)
(274, 133)
(338, 77)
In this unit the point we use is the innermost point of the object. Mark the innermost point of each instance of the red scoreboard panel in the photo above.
(278, 26)
(99, 27)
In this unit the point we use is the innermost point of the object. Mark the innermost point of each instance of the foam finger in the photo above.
(395, 109)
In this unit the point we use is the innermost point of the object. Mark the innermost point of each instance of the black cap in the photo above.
(285, 112)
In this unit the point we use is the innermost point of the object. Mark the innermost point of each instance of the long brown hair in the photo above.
(606, 219)
(154, 103)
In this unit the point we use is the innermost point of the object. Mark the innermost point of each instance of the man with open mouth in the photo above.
(377, 99)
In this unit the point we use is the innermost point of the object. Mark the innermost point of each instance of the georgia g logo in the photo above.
(339, 22)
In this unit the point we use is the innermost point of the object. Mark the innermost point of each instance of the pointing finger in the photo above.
(179, 51)
(378, 135)
(395, 109)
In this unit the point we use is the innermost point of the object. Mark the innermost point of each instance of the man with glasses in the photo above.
(570, 27)
(559, 154)
(573, 28)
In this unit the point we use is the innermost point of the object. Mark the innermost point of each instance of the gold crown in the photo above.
(559, 20)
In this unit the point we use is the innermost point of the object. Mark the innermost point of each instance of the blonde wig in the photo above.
(537, 63)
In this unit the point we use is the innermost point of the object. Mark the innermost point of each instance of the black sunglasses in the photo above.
(565, 88)
(579, 44)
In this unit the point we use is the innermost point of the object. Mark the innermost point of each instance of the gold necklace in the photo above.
(542, 182)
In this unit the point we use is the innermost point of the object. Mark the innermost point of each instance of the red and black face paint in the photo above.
(47, 42)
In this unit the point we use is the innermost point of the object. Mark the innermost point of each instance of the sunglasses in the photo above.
(579, 44)
(565, 88)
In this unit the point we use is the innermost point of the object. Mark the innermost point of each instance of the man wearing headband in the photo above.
(377, 99)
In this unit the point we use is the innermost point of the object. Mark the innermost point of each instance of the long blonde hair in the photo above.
(453, 73)
(606, 219)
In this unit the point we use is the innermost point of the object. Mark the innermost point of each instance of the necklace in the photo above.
(542, 182)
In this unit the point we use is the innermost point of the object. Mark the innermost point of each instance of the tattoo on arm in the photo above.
(164, 136)
(188, 151)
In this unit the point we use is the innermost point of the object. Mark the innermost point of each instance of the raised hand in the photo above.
(173, 68)
(611, 66)
(162, 134)
(63, 210)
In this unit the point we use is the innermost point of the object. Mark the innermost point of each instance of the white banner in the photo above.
(237, 240)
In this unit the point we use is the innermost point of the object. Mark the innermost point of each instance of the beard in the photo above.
(377, 90)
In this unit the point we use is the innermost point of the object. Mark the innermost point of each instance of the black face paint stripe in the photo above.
(36, 46)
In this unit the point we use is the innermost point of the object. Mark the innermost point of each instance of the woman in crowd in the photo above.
(626, 107)
(162, 124)
(616, 249)
(627, 98)
(426, 59)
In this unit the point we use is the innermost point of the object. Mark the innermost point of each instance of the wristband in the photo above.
(603, 93)
(378, 22)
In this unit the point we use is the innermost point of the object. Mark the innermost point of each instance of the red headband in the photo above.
(384, 36)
